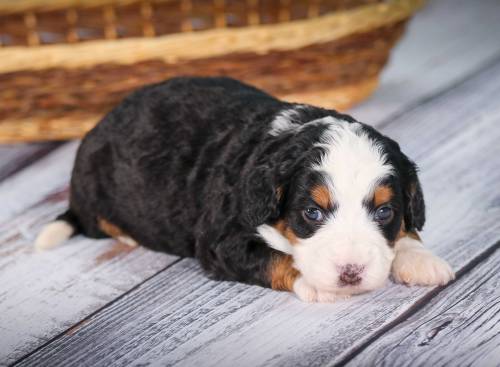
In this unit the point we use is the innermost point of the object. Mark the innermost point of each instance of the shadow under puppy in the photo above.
(284, 195)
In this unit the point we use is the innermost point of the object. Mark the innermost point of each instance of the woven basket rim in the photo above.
(21, 6)
(73, 127)
(214, 42)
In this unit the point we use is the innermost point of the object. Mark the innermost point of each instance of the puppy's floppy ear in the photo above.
(414, 211)
(261, 197)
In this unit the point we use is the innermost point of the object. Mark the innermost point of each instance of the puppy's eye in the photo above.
(313, 214)
(384, 214)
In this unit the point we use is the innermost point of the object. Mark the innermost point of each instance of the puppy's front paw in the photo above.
(326, 297)
(418, 266)
(304, 291)
(308, 293)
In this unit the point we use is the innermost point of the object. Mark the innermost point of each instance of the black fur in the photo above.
(413, 205)
(188, 167)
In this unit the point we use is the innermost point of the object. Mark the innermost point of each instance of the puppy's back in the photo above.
(149, 166)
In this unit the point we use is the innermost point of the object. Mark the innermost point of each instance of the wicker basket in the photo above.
(64, 63)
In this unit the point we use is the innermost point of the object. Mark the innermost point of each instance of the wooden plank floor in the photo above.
(182, 317)
(100, 303)
(459, 326)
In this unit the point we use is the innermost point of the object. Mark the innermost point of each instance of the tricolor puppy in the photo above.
(261, 191)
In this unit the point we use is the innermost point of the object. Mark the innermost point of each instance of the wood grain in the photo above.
(191, 318)
(444, 43)
(15, 157)
(462, 332)
(180, 317)
(44, 294)
(26, 188)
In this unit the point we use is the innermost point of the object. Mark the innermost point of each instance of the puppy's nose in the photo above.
(350, 274)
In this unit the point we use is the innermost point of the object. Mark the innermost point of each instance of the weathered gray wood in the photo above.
(27, 187)
(459, 327)
(15, 157)
(444, 43)
(43, 294)
(180, 317)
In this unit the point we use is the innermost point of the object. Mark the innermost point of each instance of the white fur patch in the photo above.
(353, 162)
(308, 293)
(304, 291)
(285, 120)
(415, 265)
(275, 239)
(53, 235)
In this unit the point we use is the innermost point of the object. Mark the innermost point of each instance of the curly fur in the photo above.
(194, 166)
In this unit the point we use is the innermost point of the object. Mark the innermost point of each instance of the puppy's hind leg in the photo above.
(57, 232)
(115, 232)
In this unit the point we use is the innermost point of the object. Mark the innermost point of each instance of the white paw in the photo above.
(304, 291)
(308, 293)
(418, 266)
(326, 297)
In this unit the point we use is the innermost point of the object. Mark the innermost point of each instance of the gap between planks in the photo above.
(487, 65)
(73, 329)
(413, 309)
(442, 82)
(45, 293)
(420, 303)
(17, 157)
(464, 331)
(489, 88)
(434, 54)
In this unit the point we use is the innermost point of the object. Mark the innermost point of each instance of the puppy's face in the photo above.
(342, 214)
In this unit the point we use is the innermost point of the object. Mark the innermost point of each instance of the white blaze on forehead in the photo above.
(353, 162)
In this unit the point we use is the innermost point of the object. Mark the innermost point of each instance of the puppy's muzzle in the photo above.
(350, 274)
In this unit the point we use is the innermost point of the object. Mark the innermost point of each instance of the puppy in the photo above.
(261, 191)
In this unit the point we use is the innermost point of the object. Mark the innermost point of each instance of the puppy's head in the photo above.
(340, 208)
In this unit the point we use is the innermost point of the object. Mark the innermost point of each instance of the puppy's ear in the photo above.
(261, 197)
(414, 211)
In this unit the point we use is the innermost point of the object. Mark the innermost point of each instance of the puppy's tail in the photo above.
(58, 231)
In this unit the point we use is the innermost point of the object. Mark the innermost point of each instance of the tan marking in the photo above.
(414, 235)
(282, 273)
(321, 196)
(382, 195)
(115, 232)
(110, 229)
(403, 233)
(283, 227)
(279, 193)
